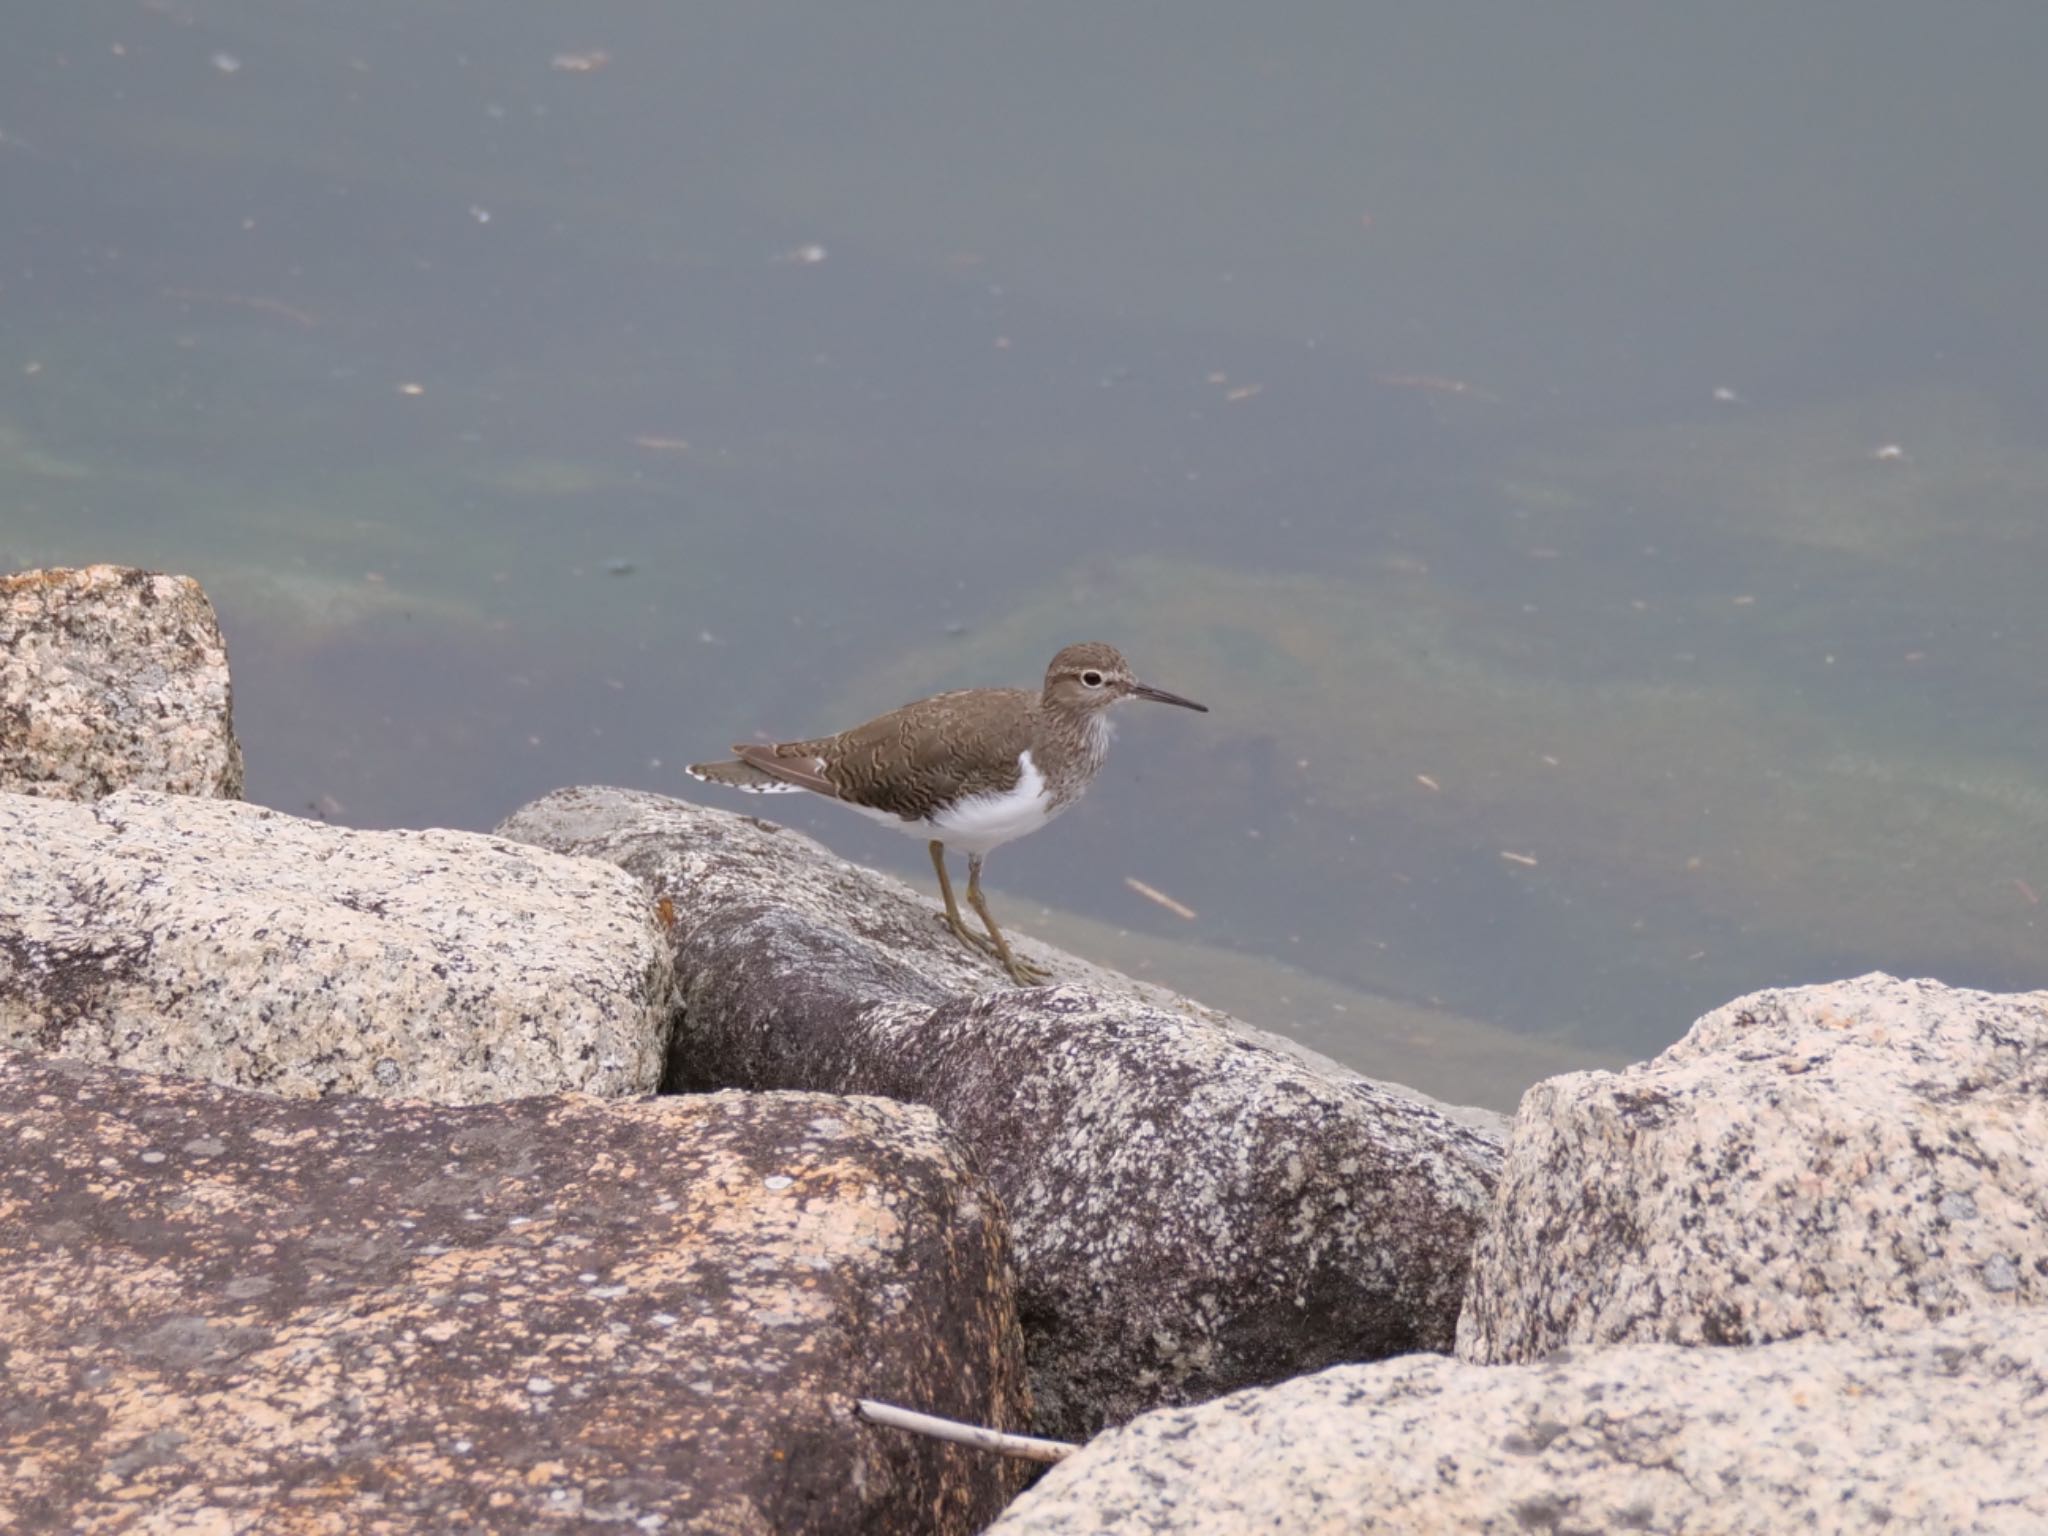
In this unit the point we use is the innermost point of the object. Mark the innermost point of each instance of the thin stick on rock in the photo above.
(1028, 1447)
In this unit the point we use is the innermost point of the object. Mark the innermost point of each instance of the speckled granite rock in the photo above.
(1193, 1210)
(1825, 1159)
(223, 1312)
(1939, 1431)
(224, 941)
(113, 677)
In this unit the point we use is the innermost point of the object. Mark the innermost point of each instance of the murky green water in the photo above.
(1593, 463)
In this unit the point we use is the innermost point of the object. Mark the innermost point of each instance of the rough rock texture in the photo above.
(1818, 1160)
(1192, 1210)
(222, 1312)
(1942, 1430)
(113, 677)
(262, 951)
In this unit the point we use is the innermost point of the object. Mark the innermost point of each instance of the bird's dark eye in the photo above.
(1091, 679)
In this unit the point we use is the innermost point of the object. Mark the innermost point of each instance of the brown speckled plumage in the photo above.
(915, 760)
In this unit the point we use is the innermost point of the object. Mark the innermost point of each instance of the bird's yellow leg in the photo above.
(954, 921)
(1023, 972)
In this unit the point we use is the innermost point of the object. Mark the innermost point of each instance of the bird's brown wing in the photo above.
(914, 760)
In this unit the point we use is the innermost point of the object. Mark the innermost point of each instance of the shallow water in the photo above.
(1593, 465)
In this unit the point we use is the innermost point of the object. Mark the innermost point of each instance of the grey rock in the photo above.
(559, 1314)
(259, 950)
(112, 677)
(1193, 1210)
(1938, 1430)
(1869, 1154)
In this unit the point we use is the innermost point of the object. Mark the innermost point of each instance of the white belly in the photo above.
(982, 822)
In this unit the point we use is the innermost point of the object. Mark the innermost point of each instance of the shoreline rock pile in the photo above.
(1192, 1211)
(1787, 1276)
(584, 1174)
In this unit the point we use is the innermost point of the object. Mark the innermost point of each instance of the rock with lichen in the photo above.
(224, 1311)
(1935, 1431)
(112, 678)
(1809, 1160)
(267, 951)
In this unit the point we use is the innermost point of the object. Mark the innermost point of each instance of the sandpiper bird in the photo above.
(977, 768)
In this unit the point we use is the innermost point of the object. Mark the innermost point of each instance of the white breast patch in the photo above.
(982, 822)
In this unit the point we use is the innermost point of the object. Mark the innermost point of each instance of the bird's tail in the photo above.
(738, 775)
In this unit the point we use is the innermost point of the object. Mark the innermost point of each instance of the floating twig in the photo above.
(1153, 893)
(249, 301)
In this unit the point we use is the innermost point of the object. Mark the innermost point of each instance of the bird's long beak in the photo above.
(1161, 696)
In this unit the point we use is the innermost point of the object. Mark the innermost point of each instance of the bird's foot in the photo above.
(968, 936)
(1024, 973)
